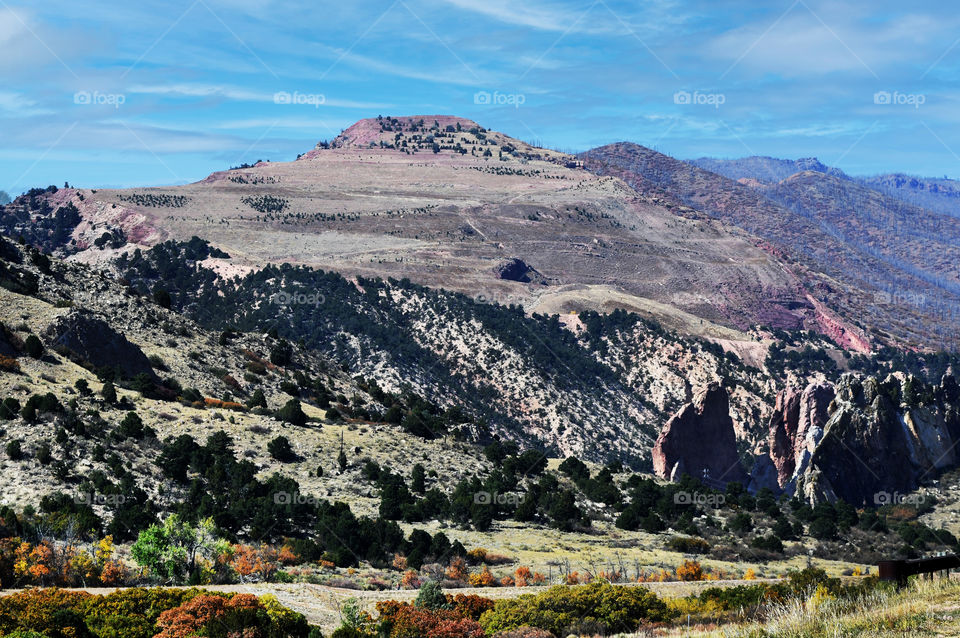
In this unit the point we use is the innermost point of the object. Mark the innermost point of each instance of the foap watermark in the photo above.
(90, 498)
(96, 98)
(508, 297)
(486, 98)
(699, 498)
(299, 99)
(900, 298)
(896, 98)
(896, 498)
(284, 298)
(294, 498)
(495, 498)
(699, 99)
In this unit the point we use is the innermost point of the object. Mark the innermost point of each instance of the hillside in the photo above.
(448, 204)
(877, 262)
(765, 170)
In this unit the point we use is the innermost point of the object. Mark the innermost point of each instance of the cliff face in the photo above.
(699, 440)
(796, 428)
(864, 439)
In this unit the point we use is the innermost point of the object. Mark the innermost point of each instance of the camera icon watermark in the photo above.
(495, 498)
(96, 98)
(299, 99)
(90, 498)
(900, 298)
(699, 498)
(896, 498)
(294, 498)
(284, 298)
(486, 98)
(896, 98)
(685, 98)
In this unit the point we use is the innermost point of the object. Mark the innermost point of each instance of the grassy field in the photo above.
(925, 608)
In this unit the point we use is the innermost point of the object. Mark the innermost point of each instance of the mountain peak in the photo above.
(373, 130)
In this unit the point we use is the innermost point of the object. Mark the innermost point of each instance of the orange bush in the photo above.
(469, 605)
(690, 570)
(9, 364)
(410, 579)
(287, 556)
(522, 576)
(457, 570)
(483, 578)
(194, 616)
(113, 573)
(404, 620)
(253, 563)
(225, 405)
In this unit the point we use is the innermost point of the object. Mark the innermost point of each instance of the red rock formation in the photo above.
(699, 440)
(796, 426)
(783, 433)
(840, 331)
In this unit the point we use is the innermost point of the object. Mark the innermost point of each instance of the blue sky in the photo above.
(143, 93)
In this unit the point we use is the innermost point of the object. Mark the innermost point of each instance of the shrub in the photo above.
(9, 364)
(613, 608)
(688, 545)
(109, 393)
(9, 409)
(431, 596)
(43, 453)
(293, 413)
(33, 347)
(524, 632)
(279, 448)
(690, 570)
(14, 450)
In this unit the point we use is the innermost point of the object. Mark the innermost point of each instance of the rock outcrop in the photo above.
(699, 440)
(92, 343)
(796, 427)
(863, 439)
(518, 270)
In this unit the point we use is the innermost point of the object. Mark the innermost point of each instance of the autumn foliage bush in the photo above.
(403, 620)
(148, 613)
(610, 607)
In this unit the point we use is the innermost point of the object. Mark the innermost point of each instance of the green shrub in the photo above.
(609, 607)
(688, 545)
(33, 347)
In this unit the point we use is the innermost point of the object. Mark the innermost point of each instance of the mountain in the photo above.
(766, 170)
(881, 264)
(445, 203)
(938, 195)
(571, 304)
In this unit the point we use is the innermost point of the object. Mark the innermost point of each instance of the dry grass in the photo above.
(926, 608)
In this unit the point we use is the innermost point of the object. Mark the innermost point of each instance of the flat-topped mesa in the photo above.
(437, 134)
(375, 129)
(410, 134)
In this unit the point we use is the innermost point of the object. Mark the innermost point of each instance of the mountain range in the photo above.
(578, 304)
